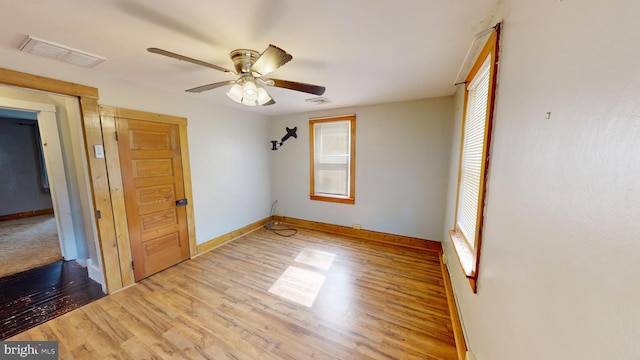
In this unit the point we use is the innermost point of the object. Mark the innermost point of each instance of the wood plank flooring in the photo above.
(35, 296)
(376, 301)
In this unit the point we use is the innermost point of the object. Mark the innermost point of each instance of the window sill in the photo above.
(466, 257)
(333, 199)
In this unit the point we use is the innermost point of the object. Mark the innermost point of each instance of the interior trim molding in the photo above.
(458, 334)
(406, 241)
(98, 180)
(30, 81)
(94, 271)
(26, 214)
(223, 239)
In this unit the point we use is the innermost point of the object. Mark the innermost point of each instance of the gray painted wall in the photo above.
(20, 167)
(402, 162)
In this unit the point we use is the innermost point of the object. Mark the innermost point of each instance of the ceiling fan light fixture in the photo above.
(248, 103)
(235, 93)
(251, 66)
(250, 91)
(263, 96)
(247, 92)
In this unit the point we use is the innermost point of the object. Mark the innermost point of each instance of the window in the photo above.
(474, 158)
(333, 159)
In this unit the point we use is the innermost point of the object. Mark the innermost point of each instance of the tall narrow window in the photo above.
(474, 158)
(332, 158)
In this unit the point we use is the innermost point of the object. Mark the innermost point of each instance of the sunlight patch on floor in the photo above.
(316, 258)
(298, 285)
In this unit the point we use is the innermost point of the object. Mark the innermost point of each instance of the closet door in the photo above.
(151, 167)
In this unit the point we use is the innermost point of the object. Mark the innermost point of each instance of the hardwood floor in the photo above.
(375, 301)
(35, 296)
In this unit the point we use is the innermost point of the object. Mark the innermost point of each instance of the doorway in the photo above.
(35, 295)
(62, 150)
(53, 178)
(150, 182)
(28, 232)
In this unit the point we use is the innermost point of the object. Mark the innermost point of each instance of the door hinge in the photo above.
(116, 136)
(133, 267)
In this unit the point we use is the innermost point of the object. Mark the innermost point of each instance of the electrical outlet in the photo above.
(445, 259)
(357, 226)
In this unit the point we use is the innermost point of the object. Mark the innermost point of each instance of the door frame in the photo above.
(54, 163)
(103, 216)
(108, 115)
(112, 266)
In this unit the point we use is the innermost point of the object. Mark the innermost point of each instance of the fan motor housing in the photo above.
(243, 60)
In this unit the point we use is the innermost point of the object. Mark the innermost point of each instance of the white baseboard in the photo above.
(95, 273)
(82, 262)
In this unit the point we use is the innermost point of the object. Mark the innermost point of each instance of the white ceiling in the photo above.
(363, 51)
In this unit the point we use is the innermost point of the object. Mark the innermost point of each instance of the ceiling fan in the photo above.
(251, 67)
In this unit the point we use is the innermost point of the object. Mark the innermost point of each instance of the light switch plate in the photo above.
(98, 151)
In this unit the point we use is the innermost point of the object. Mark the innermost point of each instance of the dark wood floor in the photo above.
(35, 296)
(310, 296)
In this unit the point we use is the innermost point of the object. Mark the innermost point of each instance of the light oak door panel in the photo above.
(152, 179)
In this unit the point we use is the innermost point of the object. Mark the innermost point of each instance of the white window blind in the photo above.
(472, 152)
(332, 149)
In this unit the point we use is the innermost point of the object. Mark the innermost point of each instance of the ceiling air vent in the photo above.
(318, 100)
(58, 52)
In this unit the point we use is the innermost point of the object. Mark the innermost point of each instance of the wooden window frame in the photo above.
(469, 255)
(352, 160)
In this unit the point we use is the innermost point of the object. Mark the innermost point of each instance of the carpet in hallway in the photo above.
(28, 243)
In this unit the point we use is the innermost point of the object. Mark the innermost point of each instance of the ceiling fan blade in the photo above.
(271, 58)
(202, 88)
(188, 59)
(297, 86)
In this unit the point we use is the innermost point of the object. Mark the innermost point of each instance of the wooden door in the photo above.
(152, 179)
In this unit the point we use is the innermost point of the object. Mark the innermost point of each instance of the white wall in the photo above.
(560, 259)
(229, 153)
(402, 153)
(228, 148)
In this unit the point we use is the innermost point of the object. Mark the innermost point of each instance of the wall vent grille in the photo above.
(59, 52)
(318, 100)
